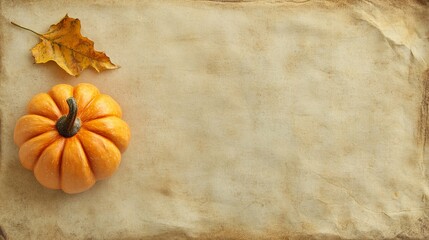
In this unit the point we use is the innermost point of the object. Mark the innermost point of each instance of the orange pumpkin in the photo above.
(71, 137)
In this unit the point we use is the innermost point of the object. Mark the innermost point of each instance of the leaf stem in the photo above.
(38, 34)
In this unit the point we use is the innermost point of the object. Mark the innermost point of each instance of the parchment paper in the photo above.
(250, 120)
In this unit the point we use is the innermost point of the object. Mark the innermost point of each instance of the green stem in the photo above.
(68, 125)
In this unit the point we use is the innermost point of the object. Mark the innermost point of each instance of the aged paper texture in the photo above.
(249, 120)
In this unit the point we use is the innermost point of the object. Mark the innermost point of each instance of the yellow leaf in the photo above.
(64, 44)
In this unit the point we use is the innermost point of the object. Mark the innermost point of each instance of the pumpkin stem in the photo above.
(68, 125)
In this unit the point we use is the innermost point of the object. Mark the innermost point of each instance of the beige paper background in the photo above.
(250, 120)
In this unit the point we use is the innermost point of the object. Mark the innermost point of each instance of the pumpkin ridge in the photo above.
(53, 127)
(113, 128)
(60, 93)
(53, 120)
(95, 119)
(37, 136)
(59, 162)
(56, 104)
(72, 179)
(41, 152)
(101, 106)
(101, 135)
(102, 116)
(82, 109)
(53, 130)
(32, 114)
(87, 158)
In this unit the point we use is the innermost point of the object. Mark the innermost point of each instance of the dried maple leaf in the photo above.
(64, 44)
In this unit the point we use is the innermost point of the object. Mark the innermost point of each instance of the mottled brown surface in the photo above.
(250, 120)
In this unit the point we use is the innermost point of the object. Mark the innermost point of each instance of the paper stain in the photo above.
(239, 235)
(423, 123)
